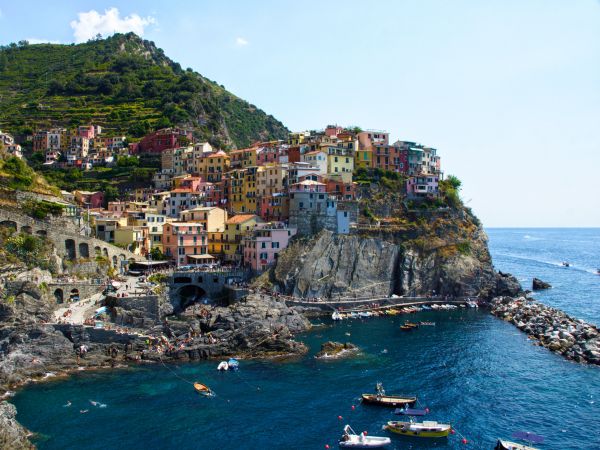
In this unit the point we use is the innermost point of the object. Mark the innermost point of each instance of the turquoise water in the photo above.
(472, 370)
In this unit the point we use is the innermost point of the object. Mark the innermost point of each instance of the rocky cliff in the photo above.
(445, 254)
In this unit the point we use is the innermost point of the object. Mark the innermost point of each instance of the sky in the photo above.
(508, 91)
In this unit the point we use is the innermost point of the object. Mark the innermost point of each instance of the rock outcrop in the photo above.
(332, 349)
(382, 264)
(539, 285)
(12, 435)
(554, 329)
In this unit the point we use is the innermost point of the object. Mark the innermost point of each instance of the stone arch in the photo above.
(26, 229)
(105, 252)
(115, 261)
(97, 251)
(9, 224)
(190, 294)
(41, 233)
(59, 295)
(74, 294)
(70, 248)
(84, 250)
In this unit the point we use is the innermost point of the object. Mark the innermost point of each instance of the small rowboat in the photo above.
(522, 435)
(429, 429)
(391, 401)
(427, 324)
(202, 389)
(412, 325)
(352, 440)
(406, 328)
(223, 366)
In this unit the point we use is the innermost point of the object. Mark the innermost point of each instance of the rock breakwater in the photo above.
(554, 329)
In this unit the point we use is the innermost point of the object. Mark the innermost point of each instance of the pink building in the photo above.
(426, 185)
(88, 131)
(185, 242)
(88, 199)
(262, 247)
(333, 130)
(117, 208)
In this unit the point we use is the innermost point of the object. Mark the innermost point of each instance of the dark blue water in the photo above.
(471, 369)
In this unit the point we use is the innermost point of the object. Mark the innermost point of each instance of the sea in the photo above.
(471, 369)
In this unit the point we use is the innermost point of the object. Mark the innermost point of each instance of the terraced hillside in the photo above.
(127, 85)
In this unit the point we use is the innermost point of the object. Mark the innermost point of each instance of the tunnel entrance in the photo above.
(190, 295)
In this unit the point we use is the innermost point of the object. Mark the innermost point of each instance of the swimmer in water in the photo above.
(67, 404)
(83, 411)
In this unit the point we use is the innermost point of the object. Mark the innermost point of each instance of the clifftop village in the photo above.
(240, 208)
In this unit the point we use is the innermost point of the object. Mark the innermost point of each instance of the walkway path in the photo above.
(79, 310)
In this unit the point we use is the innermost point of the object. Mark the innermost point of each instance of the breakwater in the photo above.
(554, 329)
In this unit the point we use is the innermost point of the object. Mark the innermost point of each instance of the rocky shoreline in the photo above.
(573, 338)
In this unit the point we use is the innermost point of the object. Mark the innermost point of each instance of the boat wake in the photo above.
(551, 263)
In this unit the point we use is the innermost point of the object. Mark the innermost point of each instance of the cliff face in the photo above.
(448, 256)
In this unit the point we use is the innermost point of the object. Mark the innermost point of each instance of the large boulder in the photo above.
(332, 349)
(538, 285)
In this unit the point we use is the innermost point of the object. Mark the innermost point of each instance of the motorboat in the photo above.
(411, 324)
(336, 316)
(203, 389)
(526, 436)
(566, 264)
(233, 364)
(352, 440)
(427, 428)
(508, 445)
(223, 366)
(391, 401)
(427, 324)
(364, 314)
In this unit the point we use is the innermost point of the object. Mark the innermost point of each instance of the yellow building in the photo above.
(246, 157)
(249, 190)
(341, 163)
(235, 229)
(236, 199)
(134, 239)
(363, 158)
(215, 243)
(212, 166)
(270, 179)
(211, 217)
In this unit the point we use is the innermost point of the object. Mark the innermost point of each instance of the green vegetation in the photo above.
(42, 209)
(157, 255)
(31, 250)
(449, 190)
(15, 174)
(388, 178)
(158, 278)
(125, 84)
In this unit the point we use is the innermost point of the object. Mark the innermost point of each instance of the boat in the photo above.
(364, 314)
(406, 328)
(412, 325)
(391, 312)
(427, 324)
(526, 436)
(566, 264)
(233, 364)
(508, 445)
(427, 428)
(202, 389)
(336, 316)
(391, 401)
(353, 315)
(352, 440)
(223, 366)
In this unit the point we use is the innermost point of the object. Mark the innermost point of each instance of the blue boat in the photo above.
(233, 364)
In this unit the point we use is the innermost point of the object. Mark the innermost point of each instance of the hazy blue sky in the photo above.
(508, 91)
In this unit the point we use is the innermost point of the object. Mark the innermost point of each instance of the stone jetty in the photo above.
(554, 329)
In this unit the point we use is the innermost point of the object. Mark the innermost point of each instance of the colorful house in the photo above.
(235, 229)
(422, 186)
(262, 247)
(185, 242)
(211, 218)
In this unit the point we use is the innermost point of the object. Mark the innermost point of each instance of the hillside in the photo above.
(125, 84)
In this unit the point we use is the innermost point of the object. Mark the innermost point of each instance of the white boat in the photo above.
(364, 315)
(352, 440)
(336, 316)
(508, 445)
(223, 366)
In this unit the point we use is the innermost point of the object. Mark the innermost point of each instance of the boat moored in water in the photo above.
(428, 428)
(233, 364)
(336, 316)
(223, 366)
(390, 401)
(352, 440)
(202, 389)
(508, 445)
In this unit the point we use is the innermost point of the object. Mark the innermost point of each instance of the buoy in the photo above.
(464, 441)
(427, 410)
(353, 407)
(326, 445)
(452, 431)
(340, 417)
(365, 433)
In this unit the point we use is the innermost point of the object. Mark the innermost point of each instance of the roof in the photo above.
(241, 218)
(182, 190)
